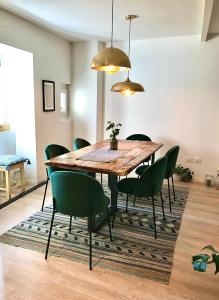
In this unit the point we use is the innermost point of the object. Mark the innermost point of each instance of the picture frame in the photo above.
(48, 95)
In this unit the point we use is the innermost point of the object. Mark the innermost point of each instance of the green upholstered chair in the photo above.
(80, 143)
(76, 194)
(148, 185)
(51, 151)
(140, 137)
(172, 155)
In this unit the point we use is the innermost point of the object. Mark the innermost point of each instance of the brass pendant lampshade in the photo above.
(128, 87)
(111, 59)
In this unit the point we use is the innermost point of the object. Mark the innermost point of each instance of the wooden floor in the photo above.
(25, 274)
(14, 192)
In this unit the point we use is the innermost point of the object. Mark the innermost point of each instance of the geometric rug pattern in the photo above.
(133, 251)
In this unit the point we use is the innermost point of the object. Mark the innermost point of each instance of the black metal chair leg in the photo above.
(108, 219)
(134, 201)
(44, 196)
(50, 231)
(70, 224)
(154, 217)
(101, 178)
(169, 195)
(90, 244)
(127, 201)
(161, 197)
(174, 195)
(114, 216)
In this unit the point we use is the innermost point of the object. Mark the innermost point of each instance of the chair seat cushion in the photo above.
(8, 160)
(140, 170)
(127, 185)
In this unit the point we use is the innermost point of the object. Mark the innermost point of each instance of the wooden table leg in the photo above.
(8, 183)
(22, 177)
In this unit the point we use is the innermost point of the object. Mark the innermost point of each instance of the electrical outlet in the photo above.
(189, 159)
(197, 160)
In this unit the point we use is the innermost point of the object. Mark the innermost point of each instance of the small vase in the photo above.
(113, 144)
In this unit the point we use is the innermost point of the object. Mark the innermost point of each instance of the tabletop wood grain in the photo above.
(136, 153)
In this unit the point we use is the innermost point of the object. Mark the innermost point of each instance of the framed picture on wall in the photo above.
(48, 95)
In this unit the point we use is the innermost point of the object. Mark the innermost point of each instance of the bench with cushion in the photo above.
(9, 163)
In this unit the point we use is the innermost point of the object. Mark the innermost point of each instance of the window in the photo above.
(64, 100)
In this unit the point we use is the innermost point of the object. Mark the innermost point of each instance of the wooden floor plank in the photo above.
(25, 274)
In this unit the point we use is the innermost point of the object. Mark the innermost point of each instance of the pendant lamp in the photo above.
(111, 59)
(128, 87)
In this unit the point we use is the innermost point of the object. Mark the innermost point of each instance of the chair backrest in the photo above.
(151, 181)
(54, 150)
(79, 143)
(139, 137)
(77, 194)
(172, 155)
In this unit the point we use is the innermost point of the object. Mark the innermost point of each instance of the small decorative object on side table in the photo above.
(209, 180)
(115, 128)
(217, 180)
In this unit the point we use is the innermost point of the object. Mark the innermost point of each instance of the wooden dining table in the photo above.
(98, 158)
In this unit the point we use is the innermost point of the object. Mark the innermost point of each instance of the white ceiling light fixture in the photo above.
(111, 60)
(128, 87)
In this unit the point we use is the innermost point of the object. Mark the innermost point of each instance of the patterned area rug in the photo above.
(134, 250)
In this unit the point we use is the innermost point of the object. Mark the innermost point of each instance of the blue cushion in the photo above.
(9, 160)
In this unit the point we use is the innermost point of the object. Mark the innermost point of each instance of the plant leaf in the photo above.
(211, 248)
(201, 257)
(216, 260)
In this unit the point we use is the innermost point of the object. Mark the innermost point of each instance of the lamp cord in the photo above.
(129, 49)
(130, 20)
(112, 23)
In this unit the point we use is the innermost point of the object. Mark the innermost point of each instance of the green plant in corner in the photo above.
(185, 173)
(200, 261)
(115, 129)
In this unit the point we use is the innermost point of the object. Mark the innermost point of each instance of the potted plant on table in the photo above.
(115, 128)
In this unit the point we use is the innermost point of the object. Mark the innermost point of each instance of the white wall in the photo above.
(181, 100)
(52, 61)
(86, 93)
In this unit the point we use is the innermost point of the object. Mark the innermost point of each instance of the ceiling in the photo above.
(91, 19)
